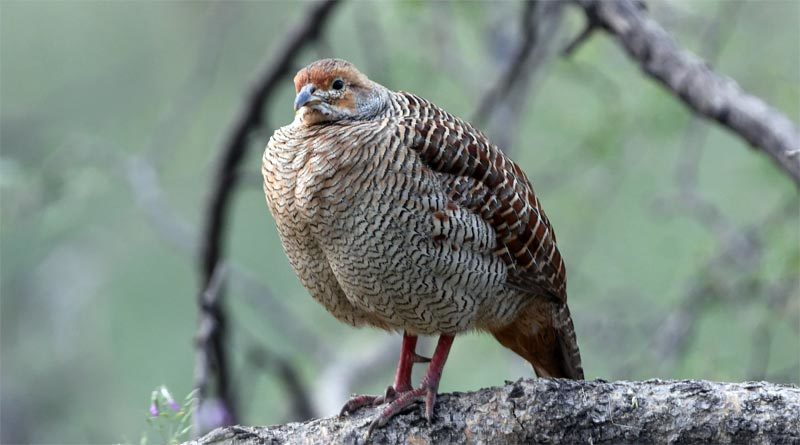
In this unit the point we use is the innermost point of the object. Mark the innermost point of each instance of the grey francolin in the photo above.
(398, 215)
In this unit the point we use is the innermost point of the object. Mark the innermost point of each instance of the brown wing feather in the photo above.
(491, 185)
(526, 238)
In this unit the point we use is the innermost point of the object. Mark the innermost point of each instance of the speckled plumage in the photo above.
(398, 215)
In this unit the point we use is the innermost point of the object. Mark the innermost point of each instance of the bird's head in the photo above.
(330, 90)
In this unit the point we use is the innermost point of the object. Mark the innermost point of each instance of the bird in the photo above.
(398, 215)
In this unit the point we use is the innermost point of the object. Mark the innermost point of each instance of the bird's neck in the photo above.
(374, 103)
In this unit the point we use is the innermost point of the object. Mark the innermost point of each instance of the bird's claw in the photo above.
(358, 402)
(402, 401)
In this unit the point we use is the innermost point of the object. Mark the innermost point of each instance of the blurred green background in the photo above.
(682, 244)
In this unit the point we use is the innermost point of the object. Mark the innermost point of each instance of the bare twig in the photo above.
(740, 250)
(688, 77)
(503, 117)
(687, 168)
(249, 118)
(234, 147)
(516, 68)
(145, 186)
(207, 365)
(298, 395)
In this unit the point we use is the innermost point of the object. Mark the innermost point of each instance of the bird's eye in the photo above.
(338, 84)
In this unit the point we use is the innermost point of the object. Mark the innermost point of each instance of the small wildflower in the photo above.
(170, 401)
(172, 421)
(153, 409)
(154, 404)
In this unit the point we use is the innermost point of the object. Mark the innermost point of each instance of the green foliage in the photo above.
(170, 421)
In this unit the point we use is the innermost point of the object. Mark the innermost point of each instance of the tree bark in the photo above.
(565, 411)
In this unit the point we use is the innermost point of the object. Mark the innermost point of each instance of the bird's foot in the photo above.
(360, 401)
(403, 400)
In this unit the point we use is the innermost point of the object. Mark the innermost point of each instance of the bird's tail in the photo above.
(543, 334)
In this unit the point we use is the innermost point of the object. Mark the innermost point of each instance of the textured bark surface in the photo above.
(565, 411)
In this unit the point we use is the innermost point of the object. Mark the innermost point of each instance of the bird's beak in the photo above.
(305, 97)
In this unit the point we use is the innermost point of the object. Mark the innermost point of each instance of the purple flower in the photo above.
(170, 401)
(154, 409)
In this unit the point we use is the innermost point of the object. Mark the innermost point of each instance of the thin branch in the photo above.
(691, 79)
(514, 70)
(249, 118)
(504, 117)
(298, 395)
(145, 186)
(233, 150)
(208, 367)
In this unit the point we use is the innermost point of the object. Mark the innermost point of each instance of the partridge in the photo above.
(398, 215)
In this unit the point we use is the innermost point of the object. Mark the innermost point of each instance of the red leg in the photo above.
(402, 378)
(408, 356)
(428, 388)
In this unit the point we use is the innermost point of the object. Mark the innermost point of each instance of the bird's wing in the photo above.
(479, 176)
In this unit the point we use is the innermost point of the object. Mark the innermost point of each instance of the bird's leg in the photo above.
(428, 387)
(408, 356)
(402, 378)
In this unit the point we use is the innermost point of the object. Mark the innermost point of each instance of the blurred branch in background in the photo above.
(728, 273)
(502, 103)
(502, 107)
(265, 361)
(691, 79)
(213, 361)
(145, 186)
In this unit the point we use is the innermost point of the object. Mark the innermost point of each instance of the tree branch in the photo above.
(502, 107)
(211, 357)
(566, 411)
(514, 70)
(688, 77)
